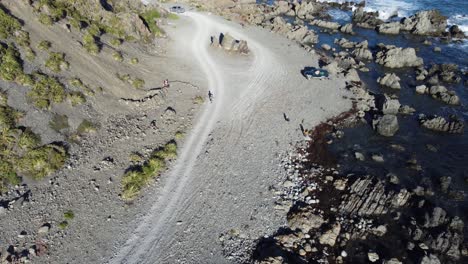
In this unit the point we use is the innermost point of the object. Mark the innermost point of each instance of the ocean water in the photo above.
(451, 158)
(455, 10)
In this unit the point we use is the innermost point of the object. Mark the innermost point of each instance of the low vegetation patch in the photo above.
(117, 56)
(90, 44)
(44, 45)
(138, 177)
(138, 83)
(69, 215)
(8, 24)
(172, 16)
(56, 62)
(22, 38)
(134, 61)
(11, 66)
(179, 135)
(46, 20)
(116, 42)
(135, 82)
(86, 127)
(43, 161)
(21, 152)
(46, 90)
(150, 17)
(59, 122)
(198, 100)
(76, 98)
(78, 83)
(30, 55)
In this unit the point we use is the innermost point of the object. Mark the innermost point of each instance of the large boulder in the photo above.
(390, 80)
(440, 124)
(388, 105)
(441, 93)
(330, 236)
(306, 9)
(325, 24)
(305, 220)
(392, 28)
(395, 57)
(302, 35)
(362, 51)
(456, 32)
(429, 22)
(347, 28)
(133, 25)
(366, 19)
(229, 43)
(386, 125)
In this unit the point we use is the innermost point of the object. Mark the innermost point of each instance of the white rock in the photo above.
(373, 257)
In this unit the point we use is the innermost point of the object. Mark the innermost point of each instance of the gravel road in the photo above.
(230, 159)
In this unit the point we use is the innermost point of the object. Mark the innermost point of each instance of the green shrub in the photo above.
(86, 127)
(59, 122)
(44, 45)
(76, 98)
(69, 215)
(63, 225)
(90, 44)
(43, 161)
(28, 140)
(124, 77)
(25, 80)
(136, 157)
(22, 38)
(116, 42)
(8, 175)
(29, 54)
(198, 100)
(117, 56)
(150, 17)
(11, 66)
(94, 30)
(134, 181)
(179, 135)
(138, 83)
(168, 152)
(56, 62)
(46, 90)
(7, 119)
(8, 24)
(46, 20)
(134, 61)
(140, 176)
(172, 16)
(76, 82)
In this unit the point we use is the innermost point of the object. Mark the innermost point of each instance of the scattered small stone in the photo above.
(359, 156)
(378, 158)
(44, 229)
(373, 257)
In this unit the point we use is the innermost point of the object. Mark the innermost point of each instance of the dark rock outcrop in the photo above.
(440, 124)
(395, 57)
(428, 23)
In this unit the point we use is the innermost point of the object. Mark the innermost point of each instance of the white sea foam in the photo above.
(460, 20)
(339, 15)
(386, 8)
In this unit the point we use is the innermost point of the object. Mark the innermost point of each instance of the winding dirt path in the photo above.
(157, 226)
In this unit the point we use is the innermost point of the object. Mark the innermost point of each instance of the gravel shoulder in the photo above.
(228, 163)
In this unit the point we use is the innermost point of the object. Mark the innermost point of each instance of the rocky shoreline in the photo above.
(334, 217)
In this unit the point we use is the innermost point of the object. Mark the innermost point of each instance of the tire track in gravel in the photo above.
(155, 229)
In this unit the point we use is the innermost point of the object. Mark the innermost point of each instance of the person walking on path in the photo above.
(210, 96)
